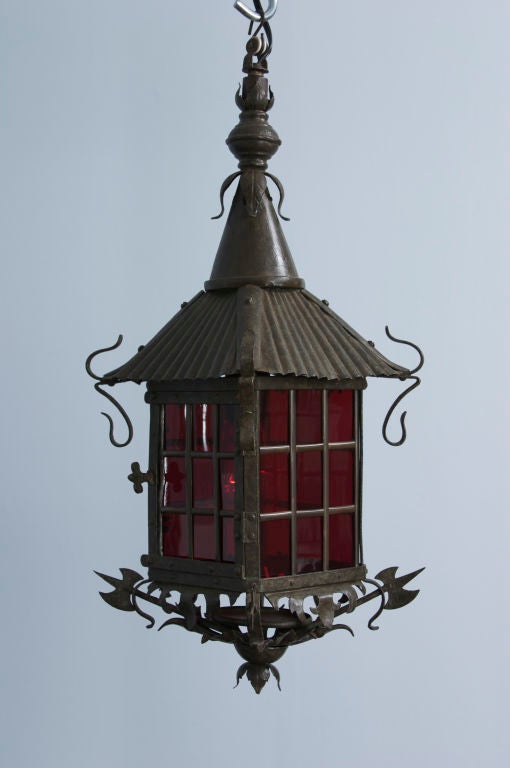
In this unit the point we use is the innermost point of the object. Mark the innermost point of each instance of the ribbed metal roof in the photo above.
(289, 332)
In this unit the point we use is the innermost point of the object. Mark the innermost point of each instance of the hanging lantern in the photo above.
(256, 437)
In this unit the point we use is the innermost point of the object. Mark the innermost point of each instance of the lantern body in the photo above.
(255, 461)
(257, 483)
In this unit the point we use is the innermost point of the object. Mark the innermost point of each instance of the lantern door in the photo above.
(195, 505)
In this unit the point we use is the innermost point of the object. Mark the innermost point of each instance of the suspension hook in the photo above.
(253, 15)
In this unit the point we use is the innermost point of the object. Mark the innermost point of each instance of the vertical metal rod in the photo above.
(325, 480)
(293, 481)
(239, 504)
(189, 476)
(155, 492)
(254, 463)
(356, 479)
(216, 469)
(359, 453)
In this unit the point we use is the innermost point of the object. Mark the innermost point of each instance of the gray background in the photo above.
(394, 117)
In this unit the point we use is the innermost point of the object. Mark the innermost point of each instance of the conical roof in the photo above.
(253, 249)
(255, 316)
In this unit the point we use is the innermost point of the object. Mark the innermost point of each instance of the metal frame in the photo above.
(244, 574)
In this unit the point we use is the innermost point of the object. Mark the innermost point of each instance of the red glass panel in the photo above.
(275, 548)
(274, 482)
(341, 541)
(308, 416)
(204, 537)
(203, 484)
(175, 428)
(341, 478)
(309, 544)
(174, 482)
(175, 540)
(228, 484)
(228, 426)
(228, 546)
(274, 418)
(309, 480)
(341, 416)
(203, 427)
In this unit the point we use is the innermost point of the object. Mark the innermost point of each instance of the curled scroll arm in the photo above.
(408, 344)
(281, 190)
(224, 187)
(92, 355)
(416, 383)
(381, 607)
(134, 603)
(100, 382)
(118, 406)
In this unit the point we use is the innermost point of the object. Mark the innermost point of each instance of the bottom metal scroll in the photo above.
(264, 627)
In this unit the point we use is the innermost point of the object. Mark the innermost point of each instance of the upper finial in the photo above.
(253, 249)
(253, 141)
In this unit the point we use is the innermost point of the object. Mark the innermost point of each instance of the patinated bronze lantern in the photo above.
(255, 459)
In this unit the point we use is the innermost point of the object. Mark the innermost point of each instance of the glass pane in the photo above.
(203, 484)
(203, 427)
(341, 541)
(274, 418)
(175, 540)
(309, 480)
(274, 482)
(275, 548)
(228, 426)
(174, 482)
(175, 428)
(308, 416)
(341, 416)
(204, 537)
(228, 546)
(309, 544)
(228, 484)
(341, 478)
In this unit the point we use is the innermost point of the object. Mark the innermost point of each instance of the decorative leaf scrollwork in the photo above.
(254, 187)
(224, 187)
(260, 634)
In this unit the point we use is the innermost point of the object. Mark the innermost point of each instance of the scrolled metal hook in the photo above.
(137, 608)
(118, 406)
(101, 381)
(257, 15)
(409, 344)
(260, 17)
(281, 190)
(92, 355)
(376, 615)
(417, 382)
(224, 187)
